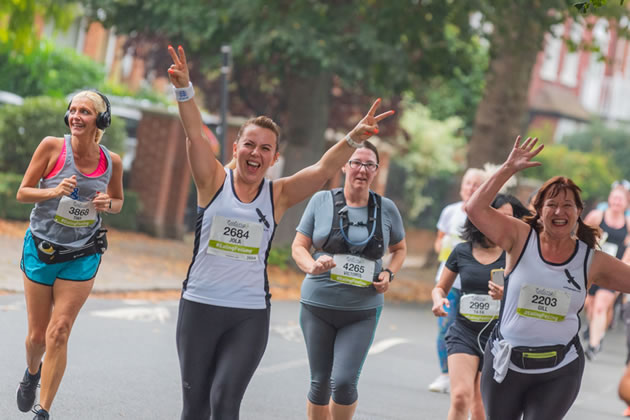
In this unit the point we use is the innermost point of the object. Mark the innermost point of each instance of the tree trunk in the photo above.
(302, 142)
(501, 114)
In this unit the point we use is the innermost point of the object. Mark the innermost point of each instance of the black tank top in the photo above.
(615, 236)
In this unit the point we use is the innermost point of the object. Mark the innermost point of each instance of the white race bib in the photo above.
(543, 303)
(353, 270)
(75, 213)
(479, 308)
(234, 238)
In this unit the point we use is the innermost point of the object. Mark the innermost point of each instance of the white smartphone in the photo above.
(496, 275)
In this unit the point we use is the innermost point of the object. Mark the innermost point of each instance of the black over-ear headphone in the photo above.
(103, 119)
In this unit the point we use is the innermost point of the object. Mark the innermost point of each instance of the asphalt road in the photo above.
(123, 365)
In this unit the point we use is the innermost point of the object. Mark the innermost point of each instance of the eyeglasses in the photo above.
(624, 183)
(357, 164)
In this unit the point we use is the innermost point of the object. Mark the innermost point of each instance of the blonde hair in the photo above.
(99, 107)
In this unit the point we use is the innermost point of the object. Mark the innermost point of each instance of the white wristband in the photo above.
(184, 94)
(352, 143)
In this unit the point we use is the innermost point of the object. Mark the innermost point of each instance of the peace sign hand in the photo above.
(521, 155)
(178, 71)
(368, 126)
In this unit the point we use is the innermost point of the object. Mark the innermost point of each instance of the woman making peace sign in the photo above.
(223, 322)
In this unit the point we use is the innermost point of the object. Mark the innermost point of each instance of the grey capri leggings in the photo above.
(219, 349)
(337, 343)
(546, 396)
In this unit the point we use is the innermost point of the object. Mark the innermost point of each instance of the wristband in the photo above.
(110, 204)
(352, 143)
(184, 94)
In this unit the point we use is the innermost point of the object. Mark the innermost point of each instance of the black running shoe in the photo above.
(40, 413)
(26, 390)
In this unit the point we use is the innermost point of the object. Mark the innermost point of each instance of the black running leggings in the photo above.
(219, 349)
(539, 396)
(337, 343)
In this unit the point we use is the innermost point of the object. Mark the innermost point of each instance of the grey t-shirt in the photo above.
(320, 290)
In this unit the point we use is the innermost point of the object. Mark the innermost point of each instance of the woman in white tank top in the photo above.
(534, 358)
(215, 384)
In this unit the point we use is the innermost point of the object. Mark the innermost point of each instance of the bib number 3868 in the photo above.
(75, 213)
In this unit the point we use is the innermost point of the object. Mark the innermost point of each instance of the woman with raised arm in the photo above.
(342, 293)
(72, 180)
(534, 361)
(223, 322)
(477, 262)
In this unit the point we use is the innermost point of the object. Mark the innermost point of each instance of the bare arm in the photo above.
(295, 188)
(29, 192)
(437, 245)
(301, 253)
(505, 231)
(207, 171)
(440, 291)
(594, 217)
(112, 200)
(609, 272)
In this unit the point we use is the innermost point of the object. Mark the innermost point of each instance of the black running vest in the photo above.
(336, 244)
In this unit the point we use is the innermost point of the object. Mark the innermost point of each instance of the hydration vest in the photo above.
(336, 244)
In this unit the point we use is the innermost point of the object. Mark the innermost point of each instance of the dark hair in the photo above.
(263, 122)
(551, 188)
(370, 146)
(470, 233)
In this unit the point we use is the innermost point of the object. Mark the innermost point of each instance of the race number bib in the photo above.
(234, 238)
(543, 303)
(353, 270)
(479, 308)
(75, 213)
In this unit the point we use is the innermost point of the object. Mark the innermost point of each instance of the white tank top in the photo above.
(232, 241)
(543, 300)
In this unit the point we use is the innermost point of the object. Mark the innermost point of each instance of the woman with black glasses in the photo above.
(350, 229)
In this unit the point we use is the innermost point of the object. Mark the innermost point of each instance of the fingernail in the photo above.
(393, 112)
(179, 46)
(170, 46)
(376, 131)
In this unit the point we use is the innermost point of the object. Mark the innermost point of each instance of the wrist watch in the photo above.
(391, 274)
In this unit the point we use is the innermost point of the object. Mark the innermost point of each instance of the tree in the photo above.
(288, 55)
(519, 30)
(17, 20)
(606, 141)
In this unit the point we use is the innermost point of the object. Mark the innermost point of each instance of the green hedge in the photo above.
(127, 218)
(10, 208)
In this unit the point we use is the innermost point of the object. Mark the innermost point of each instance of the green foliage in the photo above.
(47, 70)
(586, 7)
(304, 37)
(459, 94)
(430, 148)
(17, 20)
(127, 219)
(610, 142)
(279, 256)
(10, 208)
(23, 127)
(592, 172)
